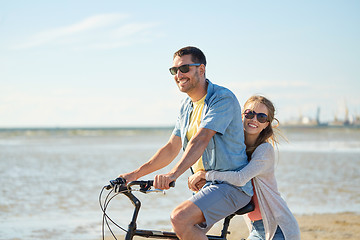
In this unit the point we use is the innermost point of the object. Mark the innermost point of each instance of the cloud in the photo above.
(125, 35)
(98, 31)
(131, 29)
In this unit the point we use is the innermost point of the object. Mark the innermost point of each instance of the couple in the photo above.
(210, 130)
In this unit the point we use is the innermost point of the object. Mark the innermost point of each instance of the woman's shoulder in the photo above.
(264, 149)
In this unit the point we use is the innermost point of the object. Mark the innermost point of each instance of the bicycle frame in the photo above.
(133, 231)
(121, 187)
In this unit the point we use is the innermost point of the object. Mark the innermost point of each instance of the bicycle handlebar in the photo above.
(144, 185)
(147, 183)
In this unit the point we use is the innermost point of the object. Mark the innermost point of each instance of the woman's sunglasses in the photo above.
(261, 117)
(183, 68)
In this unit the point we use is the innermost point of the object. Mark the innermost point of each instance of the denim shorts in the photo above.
(217, 201)
(258, 232)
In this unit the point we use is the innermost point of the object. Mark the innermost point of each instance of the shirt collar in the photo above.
(210, 91)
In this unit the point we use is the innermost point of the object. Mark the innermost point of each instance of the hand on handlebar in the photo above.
(129, 177)
(119, 185)
(162, 181)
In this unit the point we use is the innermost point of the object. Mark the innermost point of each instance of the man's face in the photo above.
(187, 82)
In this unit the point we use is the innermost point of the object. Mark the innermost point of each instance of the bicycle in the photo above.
(120, 187)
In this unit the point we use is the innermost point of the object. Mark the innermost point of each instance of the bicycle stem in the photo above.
(132, 225)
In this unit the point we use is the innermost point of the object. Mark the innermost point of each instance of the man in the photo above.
(210, 131)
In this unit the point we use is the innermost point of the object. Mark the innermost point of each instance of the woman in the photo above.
(271, 218)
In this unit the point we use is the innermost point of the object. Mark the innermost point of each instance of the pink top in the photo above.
(256, 214)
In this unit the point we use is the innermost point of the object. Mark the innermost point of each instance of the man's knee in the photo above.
(187, 213)
(178, 215)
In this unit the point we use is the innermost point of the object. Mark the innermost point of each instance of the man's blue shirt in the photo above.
(226, 150)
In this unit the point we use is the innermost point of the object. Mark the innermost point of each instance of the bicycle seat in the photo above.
(248, 208)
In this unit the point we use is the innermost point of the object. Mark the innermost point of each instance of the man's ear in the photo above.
(202, 69)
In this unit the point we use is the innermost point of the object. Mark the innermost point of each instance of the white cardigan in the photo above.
(273, 208)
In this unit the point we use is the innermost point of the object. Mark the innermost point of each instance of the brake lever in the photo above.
(145, 187)
(156, 190)
(113, 183)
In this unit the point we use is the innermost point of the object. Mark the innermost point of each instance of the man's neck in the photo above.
(200, 92)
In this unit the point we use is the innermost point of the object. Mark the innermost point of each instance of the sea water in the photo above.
(51, 178)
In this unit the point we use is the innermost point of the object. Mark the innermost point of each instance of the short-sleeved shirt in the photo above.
(226, 150)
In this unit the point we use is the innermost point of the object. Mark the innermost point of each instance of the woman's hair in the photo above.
(266, 135)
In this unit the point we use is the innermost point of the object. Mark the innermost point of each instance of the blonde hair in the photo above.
(266, 135)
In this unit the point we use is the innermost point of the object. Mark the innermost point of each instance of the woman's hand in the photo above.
(197, 181)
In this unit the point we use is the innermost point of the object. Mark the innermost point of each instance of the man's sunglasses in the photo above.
(183, 68)
(261, 117)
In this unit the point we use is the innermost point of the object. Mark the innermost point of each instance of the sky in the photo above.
(105, 63)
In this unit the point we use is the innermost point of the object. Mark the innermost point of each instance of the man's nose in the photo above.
(179, 74)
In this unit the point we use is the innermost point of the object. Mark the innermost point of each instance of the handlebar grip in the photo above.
(114, 182)
(171, 184)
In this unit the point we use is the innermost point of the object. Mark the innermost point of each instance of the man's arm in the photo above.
(163, 157)
(193, 152)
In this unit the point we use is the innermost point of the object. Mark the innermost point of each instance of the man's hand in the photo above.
(129, 177)
(163, 181)
(197, 181)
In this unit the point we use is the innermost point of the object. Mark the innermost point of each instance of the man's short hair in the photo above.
(197, 56)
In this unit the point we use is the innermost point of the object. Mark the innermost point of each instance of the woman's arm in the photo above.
(262, 160)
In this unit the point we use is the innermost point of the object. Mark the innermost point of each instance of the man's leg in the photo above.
(184, 219)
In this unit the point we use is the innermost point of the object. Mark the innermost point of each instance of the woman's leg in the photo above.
(279, 234)
(258, 232)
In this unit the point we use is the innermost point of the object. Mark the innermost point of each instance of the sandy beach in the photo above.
(330, 226)
(317, 226)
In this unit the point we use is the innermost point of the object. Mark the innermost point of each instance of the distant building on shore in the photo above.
(348, 120)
